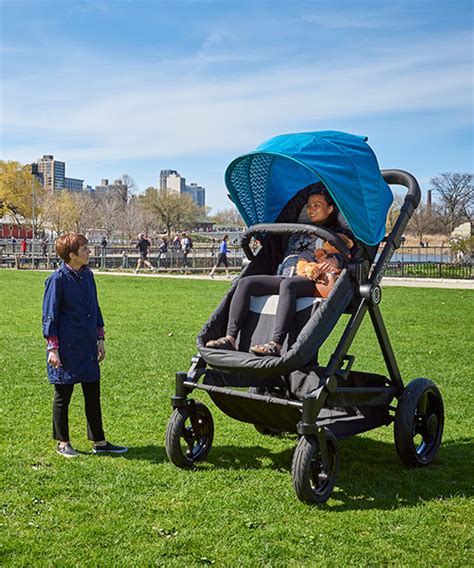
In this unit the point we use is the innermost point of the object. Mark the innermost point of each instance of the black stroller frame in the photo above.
(342, 403)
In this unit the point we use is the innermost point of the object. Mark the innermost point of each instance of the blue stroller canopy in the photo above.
(262, 182)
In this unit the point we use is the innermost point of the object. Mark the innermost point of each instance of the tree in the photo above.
(228, 217)
(19, 191)
(125, 187)
(421, 222)
(394, 211)
(172, 210)
(456, 199)
(60, 211)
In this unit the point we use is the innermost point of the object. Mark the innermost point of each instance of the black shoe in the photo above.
(109, 449)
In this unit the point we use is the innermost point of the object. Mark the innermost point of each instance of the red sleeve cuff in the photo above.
(52, 342)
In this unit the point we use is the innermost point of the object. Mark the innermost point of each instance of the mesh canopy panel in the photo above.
(262, 182)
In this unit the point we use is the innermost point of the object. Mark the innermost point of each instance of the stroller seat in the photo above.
(261, 320)
(313, 323)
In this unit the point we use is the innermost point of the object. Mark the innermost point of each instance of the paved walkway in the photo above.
(408, 282)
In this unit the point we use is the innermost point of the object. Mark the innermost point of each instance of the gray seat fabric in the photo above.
(303, 347)
(260, 321)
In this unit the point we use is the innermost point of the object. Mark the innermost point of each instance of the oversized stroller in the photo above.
(296, 392)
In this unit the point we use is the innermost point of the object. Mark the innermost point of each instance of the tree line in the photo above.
(117, 212)
(122, 212)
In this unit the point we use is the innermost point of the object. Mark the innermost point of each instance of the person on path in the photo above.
(222, 257)
(143, 245)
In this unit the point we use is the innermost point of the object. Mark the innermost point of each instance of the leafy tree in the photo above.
(19, 191)
(228, 217)
(456, 199)
(60, 211)
(172, 210)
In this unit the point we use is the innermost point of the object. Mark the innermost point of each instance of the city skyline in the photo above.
(118, 88)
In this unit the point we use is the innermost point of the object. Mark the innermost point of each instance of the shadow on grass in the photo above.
(153, 454)
(371, 475)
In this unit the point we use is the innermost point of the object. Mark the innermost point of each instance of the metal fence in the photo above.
(462, 271)
(408, 262)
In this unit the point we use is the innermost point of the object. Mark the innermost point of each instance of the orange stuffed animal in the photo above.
(325, 271)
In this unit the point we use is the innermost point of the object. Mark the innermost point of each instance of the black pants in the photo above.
(62, 397)
(289, 290)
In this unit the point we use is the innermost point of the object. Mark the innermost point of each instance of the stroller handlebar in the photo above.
(401, 177)
(291, 229)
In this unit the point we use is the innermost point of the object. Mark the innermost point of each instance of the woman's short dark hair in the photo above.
(68, 243)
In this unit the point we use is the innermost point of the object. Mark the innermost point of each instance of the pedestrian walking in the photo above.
(222, 257)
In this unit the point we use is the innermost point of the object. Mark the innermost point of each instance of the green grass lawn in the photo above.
(238, 508)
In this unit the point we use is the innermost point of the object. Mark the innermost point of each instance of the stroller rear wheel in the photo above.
(419, 423)
(314, 480)
(189, 438)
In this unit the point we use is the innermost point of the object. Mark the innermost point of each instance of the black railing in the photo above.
(202, 259)
(462, 271)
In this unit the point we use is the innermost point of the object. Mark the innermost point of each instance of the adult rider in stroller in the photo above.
(307, 270)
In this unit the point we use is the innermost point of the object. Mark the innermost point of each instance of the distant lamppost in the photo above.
(33, 170)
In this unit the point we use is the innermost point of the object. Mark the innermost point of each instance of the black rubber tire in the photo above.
(311, 482)
(419, 423)
(181, 445)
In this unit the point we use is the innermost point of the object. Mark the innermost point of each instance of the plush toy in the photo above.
(325, 270)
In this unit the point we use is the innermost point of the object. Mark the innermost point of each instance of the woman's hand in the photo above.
(329, 265)
(53, 359)
(100, 350)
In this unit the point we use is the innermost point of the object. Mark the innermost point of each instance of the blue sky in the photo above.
(114, 87)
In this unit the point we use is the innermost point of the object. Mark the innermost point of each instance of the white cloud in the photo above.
(91, 109)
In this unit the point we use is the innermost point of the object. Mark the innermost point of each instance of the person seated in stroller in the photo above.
(311, 272)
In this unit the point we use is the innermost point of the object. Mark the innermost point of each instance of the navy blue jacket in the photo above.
(71, 312)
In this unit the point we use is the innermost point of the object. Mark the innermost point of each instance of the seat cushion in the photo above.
(260, 322)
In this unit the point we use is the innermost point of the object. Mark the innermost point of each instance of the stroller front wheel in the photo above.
(314, 480)
(189, 438)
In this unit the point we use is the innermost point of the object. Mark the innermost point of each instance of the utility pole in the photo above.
(34, 171)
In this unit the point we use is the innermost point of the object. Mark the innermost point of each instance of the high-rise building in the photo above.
(53, 172)
(52, 175)
(197, 192)
(73, 184)
(171, 179)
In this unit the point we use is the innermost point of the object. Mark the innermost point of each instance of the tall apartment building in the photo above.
(52, 175)
(53, 172)
(73, 184)
(197, 192)
(171, 179)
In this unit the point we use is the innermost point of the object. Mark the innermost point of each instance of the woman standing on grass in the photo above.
(74, 330)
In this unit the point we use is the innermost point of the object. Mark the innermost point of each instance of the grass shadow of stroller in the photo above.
(323, 404)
